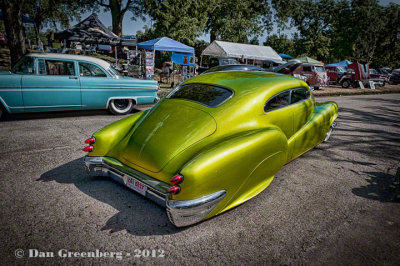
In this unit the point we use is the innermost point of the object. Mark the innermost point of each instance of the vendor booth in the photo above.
(90, 31)
(181, 54)
(240, 50)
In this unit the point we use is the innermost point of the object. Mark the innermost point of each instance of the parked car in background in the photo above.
(357, 73)
(335, 73)
(316, 75)
(377, 74)
(54, 82)
(395, 77)
(216, 141)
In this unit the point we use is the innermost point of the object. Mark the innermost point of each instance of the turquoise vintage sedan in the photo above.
(55, 82)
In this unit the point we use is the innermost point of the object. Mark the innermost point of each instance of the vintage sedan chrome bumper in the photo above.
(180, 212)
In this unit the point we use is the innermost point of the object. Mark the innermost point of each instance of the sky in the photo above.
(130, 27)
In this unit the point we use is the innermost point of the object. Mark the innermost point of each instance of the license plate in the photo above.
(136, 185)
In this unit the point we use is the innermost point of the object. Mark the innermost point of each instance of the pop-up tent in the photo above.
(89, 30)
(309, 60)
(241, 50)
(165, 44)
(181, 53)
(344, 63)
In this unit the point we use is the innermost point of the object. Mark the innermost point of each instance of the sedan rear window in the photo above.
(206, 94)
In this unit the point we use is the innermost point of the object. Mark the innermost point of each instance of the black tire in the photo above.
(383, 84)
(345, 84)
(121, 106)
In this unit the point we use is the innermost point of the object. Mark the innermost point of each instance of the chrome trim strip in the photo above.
(188, 212)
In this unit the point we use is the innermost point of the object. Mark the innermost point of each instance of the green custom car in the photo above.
(214, 142)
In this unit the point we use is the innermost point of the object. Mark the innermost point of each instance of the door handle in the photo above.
(73, 77)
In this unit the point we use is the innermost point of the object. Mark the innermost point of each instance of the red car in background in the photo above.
(316, 75)
(335, 73)
(375, 74)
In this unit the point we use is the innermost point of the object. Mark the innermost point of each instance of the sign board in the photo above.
(149, 65)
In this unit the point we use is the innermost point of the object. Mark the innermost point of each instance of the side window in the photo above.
(59, 68)
(306, 68)
(24, 66)
(277, 101)
(299, 94)
(90, 70)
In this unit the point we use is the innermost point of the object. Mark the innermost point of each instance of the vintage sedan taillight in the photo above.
(90, 140)
(88, 149)
(174, 190)
(177, 179)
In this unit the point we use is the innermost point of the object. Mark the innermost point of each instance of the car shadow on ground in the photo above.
(136, 214)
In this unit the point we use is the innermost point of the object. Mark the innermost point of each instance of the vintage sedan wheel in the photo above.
(121, 106)
(345, 84)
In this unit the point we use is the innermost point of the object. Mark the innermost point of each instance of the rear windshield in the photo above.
(206, 94)
(319, 69)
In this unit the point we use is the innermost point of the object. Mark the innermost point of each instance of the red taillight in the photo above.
(88, 149)
(174, 190)
(90, 140)
(177, 179)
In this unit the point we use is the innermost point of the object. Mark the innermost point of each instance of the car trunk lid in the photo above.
(165, 132)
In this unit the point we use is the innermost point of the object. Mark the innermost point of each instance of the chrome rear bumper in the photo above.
(180, 212)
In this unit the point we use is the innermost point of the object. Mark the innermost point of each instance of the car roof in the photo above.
(95, 60)
(243, 82)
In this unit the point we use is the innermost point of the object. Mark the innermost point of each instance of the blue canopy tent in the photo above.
(285, 56)
(179, 50)
(344, 63)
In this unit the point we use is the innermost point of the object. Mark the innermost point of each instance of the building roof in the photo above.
(241, 50)
(95, 60)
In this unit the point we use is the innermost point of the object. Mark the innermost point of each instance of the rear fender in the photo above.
(239, 165)
(112, 134)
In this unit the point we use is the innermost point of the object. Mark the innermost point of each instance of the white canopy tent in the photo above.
(241, 50)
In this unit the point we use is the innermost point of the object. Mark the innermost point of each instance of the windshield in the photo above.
(319, 69)
(341, 69)
(24, 66)
(373, 71)
(208, 95)
(114, 71)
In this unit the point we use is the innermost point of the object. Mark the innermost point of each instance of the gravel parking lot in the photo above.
(338, 203)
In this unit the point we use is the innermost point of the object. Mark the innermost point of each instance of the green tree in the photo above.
(51, 12)
(238, 20)
(12, 16)
(281, 43)
(118, 10)
(313, 21)
(181, 20)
